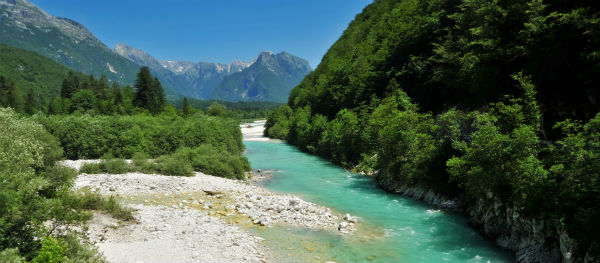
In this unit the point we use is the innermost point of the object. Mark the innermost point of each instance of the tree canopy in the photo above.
(467, 98)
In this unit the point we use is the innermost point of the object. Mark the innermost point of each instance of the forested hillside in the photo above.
(67, 42)
(30, 71)
(494, 102)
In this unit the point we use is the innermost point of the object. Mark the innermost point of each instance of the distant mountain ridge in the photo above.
(271, 78)
(267, 77)
(26, 26)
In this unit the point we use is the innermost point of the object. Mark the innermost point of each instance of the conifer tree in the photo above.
(159, 100)
(143, 88)
(89, 83)
(70, 85)
(116, 93)
(31, 105)
(102, 89)
(186, 107)
(149, 93)
(9, 95)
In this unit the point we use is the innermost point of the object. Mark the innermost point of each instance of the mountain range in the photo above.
(267, 77)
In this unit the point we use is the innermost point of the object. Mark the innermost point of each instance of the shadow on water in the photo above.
(392, 227)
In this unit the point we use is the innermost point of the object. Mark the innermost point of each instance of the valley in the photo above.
(427, 131)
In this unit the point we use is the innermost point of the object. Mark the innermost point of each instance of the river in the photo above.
(392, 228)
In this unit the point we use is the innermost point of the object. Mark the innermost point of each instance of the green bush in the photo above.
(91, 168)
(214, 161)
(204, 158)
(87, 200)
(115, 166)
(78, 251)
(11, 255)
(139, 159)
(52, 251)
(35, 190)
(28, 193)
(168, 165)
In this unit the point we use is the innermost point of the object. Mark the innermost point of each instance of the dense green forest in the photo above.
(29, 71)
(490, 101)
(244, 110)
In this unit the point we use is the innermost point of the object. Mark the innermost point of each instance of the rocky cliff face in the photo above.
(531, 240)
(271, 77)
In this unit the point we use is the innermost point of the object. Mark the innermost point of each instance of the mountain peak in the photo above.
(266, 53)
(137, 56)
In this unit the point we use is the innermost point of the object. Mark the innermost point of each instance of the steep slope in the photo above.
(26, 26)
(203, 77)
(31, 71)
(483, 101)
(175, 87)
(269, 78)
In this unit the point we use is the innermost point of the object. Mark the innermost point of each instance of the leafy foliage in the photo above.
(91, 137)
(204, 158)
(52, 251)
(461, 96)
(34, 191)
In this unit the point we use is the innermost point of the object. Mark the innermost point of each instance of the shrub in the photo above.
(115, 166)
(140, 163)
(11, 255)
(78, 251)
(52, 251)
(93, 201)
(214, 161)
(91, 168)
(168, 165)
(28, 192)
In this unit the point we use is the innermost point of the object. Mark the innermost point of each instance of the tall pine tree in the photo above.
(186, 107)
(31, 103)
(149, 93)
(70, 85)
(159, 100)
(9, 95)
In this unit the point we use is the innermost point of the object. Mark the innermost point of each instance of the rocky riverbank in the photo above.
(531, 240)
(199, 218)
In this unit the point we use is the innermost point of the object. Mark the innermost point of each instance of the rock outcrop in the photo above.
(531, 240)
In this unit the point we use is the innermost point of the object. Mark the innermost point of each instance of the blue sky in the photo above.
(213, 31)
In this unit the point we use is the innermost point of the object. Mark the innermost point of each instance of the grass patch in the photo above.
(87, 200)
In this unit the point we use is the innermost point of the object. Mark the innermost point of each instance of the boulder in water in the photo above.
(342, 226)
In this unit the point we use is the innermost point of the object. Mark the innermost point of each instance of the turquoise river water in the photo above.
(392, 228)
